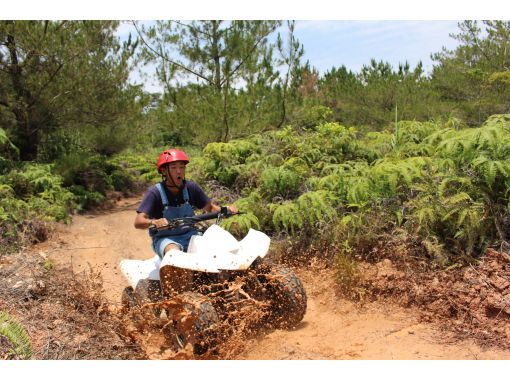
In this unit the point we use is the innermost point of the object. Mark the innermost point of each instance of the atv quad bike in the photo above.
(193, 297)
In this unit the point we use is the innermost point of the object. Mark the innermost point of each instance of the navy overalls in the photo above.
(181, 235)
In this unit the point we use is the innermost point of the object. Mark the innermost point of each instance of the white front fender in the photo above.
(216, 250)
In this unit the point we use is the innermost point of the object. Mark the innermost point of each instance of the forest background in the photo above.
(421, 151)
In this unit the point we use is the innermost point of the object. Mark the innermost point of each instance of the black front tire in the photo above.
(287, 297)
(197, 327)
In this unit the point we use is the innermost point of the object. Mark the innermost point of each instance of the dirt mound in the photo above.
(65, 314)
(473, 301)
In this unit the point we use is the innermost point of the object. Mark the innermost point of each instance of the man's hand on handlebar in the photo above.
(158, 222)
(230, 210)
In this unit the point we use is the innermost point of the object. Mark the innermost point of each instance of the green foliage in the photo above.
(51, 92)
(297, 165)
(311, 116)
(122, 180)
(8, 152)
(445, 209)
(471, 79)
(86, 199)
(84, 170)
(442, 181)
(48, 264)
(257, 210)
(90, 177)
(42, 192)
(239, 225)
(222, 160)
(218, 54)
(279, 182)
(35, 191)
(29, 195)
(138, 166)
(311, 210)
(378, 144)
(287, 216)
(390, 176)
(411, 157)
(16, 334)
(59, 143)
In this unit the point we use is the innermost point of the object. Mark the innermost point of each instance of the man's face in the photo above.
(176, 171)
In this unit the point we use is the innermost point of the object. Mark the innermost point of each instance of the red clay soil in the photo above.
(473, 301)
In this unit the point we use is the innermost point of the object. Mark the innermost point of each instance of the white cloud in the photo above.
(354, 43)
(125, 27)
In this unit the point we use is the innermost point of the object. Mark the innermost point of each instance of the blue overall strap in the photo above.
(185, 194)
(162, 192)
(164, 198)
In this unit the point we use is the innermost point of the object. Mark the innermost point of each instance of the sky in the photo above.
(333, 32)
(354, 43)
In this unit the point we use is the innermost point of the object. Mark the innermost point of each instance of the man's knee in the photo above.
(169, 247)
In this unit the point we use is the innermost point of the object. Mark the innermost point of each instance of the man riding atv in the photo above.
(199, 286)
(174, 197)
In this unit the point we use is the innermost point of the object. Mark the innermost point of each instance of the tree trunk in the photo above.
(219, 88)
(216, 55)
(284, 109)
(27, 137)
(225, 112)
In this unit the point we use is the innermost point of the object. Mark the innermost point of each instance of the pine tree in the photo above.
(229, 64)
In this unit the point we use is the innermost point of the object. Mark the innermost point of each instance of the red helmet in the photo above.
(171, 155)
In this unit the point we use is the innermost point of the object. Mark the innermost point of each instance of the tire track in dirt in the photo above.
(333, 328)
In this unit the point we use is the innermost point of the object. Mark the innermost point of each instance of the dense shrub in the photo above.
(90, 177)
(279, 182)
(441, 181)
(31, 195)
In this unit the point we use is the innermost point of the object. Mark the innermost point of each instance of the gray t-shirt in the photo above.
(152, 204)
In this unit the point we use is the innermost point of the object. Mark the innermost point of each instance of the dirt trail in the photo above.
(333, 328)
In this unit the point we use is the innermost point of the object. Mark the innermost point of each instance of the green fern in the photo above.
(436, 250)
(279, 182)
(489, 169)
(6, 191)
(224, 160)
(6, 142)
(443, 180)
(287, 216)
(297, 165)
(239, 225)
(389, 175)
(16, 334)
(309, 209)
(377, 144)
(358, 191)
(317, 206)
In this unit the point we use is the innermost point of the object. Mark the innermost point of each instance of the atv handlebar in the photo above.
(192, 220)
